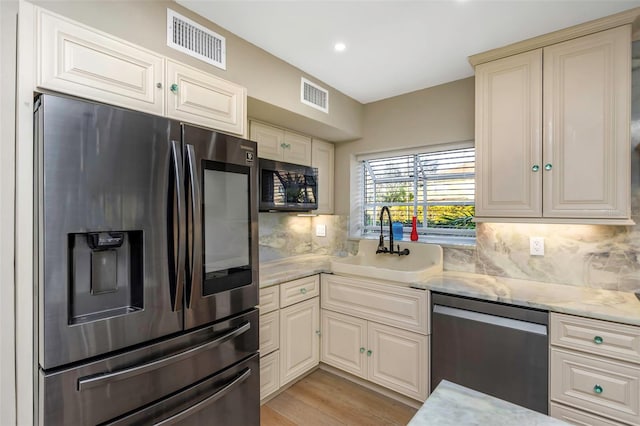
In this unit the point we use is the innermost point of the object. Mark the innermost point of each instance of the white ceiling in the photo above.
(393, 46)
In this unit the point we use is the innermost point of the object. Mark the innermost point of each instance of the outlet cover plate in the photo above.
(321, 230)
(536, 246)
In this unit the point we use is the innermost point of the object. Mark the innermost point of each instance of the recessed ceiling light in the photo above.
(339, 47)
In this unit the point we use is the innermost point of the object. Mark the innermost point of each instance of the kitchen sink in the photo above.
(423, 261)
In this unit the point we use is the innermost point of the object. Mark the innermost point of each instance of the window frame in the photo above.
(453, 236)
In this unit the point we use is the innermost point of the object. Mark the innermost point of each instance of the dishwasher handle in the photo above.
(528, 327)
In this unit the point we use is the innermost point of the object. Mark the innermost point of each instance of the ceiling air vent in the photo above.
(314, 95)
(195, 40)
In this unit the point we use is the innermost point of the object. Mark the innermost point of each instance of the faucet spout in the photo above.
(386, 209)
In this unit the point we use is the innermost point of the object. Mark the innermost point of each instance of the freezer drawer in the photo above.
(106, 389)
(230, 397)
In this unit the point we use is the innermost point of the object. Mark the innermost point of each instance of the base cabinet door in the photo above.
(398, 360)
(299, 339)
(344, 342)
(269, 374)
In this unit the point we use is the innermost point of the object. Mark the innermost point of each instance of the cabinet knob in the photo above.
(361, 350)
(159, 85)
(548, 166)
(598, 389)
(598, 340)
(283, 145)
(174, 88)
(303, 290)
(369, 352)
(535, 168)
(318, 332)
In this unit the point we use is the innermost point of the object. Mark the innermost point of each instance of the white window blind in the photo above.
(437, 188)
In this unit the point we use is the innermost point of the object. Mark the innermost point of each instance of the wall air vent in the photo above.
(191, 38)
(313, 95)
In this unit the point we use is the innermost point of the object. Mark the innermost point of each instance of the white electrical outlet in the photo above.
(536, 246)
(321, 230)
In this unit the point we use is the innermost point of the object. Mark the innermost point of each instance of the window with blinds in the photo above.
(437, 188)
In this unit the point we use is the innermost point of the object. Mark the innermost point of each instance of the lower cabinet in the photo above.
(377, 331)
(289, 332)
(595, 371)
(388, 356)
(299, 339)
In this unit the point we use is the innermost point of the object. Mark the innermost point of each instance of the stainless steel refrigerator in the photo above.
(147, 269)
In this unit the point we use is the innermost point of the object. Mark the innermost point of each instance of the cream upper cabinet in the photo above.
(587, 102)
(299, 339)
(322, 158)
(281, 145)
(81, 61)
(552, 132)
(509, 136)
(201, 98)
(75, 59)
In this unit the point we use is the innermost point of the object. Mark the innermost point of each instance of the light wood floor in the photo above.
(325, 399)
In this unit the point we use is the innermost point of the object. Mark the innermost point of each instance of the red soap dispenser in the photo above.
(414, 230)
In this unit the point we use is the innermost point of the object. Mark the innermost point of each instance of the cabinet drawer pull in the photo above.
(303, 290)
(369, 352)
(535, 168)
(548, 166)
(598, 389)
(361, 350)
(598, 340)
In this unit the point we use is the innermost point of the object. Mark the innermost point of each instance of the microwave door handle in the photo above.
(177, 281)
(196, 225)
(226, 389)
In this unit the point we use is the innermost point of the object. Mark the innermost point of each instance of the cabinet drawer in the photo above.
(269, 374)
(384, 303)
(597, 385)
(269, 299)
(298, 290)
(577, 417)
(269, 332)
(596, 337)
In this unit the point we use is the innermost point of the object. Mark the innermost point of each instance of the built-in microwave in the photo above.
(287, 187)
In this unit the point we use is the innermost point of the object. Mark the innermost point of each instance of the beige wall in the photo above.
(8, 13)
(273, 83)
(430, 116)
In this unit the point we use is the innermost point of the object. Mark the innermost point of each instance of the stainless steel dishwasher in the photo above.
(497, 349)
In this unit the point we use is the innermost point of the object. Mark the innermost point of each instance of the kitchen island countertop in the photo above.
(453, 405)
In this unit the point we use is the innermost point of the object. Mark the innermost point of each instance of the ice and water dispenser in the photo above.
(106, 275)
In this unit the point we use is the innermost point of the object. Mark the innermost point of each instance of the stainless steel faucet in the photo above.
(381, 247)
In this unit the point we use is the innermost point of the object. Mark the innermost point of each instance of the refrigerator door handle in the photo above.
(106, 378)
(195, 255)
(207, 401)
(177, 281)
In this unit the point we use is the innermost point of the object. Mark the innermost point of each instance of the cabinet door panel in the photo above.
(508, 136)
(399, 360)
(298, 149)
(205, 99)
(344, 342)
(270, 141)
(299, 340)
(269, 374)
(322, 157)
(587, 108)
(269, 333)
(84, 62)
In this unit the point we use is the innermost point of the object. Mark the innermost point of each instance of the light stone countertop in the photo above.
(454, 405)
(582, 301)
